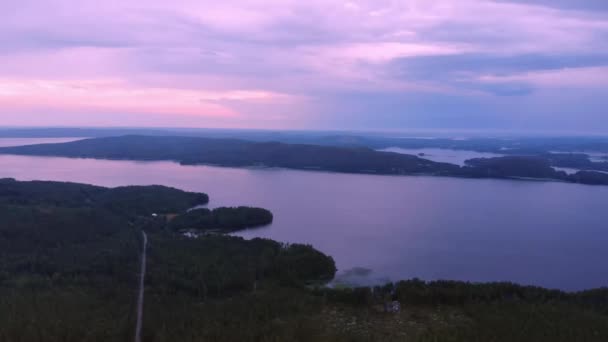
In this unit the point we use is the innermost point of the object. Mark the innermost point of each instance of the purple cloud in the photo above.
(295, 64)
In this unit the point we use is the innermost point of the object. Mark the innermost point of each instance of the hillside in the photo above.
(241, 153)
(232, 152)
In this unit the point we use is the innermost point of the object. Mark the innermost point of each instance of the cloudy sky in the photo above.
(518, 65)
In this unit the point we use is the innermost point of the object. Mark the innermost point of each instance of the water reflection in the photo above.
(542, 233)
(4, 142)
(443, 155)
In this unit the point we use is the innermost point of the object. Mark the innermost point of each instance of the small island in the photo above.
(224, 220)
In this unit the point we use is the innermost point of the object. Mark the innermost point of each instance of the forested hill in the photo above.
(233, 152)
(241, 153)
(131, 200)
(69, 256)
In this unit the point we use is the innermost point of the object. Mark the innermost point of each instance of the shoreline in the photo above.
(312, 169)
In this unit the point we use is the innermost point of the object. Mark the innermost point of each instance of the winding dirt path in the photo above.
(140, 296)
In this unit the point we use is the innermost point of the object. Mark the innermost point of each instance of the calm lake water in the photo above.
(392, 227)
(30, 141)
(443, 155)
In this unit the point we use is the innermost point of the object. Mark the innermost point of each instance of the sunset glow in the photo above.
(315, 64)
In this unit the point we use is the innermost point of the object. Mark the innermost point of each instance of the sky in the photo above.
(509, 65)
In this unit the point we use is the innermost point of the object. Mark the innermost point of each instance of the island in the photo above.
(70, 259)
(221, 219)
(345, 159)
(528, 167)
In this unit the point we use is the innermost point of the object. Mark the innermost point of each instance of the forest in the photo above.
(221, 219)
(69, 262)
(238, 153)
(346, 159)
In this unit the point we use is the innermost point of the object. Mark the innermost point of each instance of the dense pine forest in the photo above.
(222, 219)
(69, 258)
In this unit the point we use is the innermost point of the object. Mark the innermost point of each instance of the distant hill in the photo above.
(234, 152)
(347, 159)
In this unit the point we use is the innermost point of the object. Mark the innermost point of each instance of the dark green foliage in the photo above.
(232, 152)
(145, 200)
(351, 157)
(47, 193)
(355, 296)
(459, 293)
(511, 166)
(589, 177)
(522, 322)
(221, 265)
(68, 272)
(576, 161)
(69, 258)
(416, 292)
(69, 263)
(302, 263)
(65, 272)
(222, 219)
(54, 241)
(128, 200)
(42, 310)
(272, 313)
(461, 311)
(241, 217)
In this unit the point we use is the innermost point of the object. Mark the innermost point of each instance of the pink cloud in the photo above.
(263, 62)
(577, 78)
(115, 95)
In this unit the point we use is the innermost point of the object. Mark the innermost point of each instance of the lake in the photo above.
(443, 155)
(392, 227)
(30, 141)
